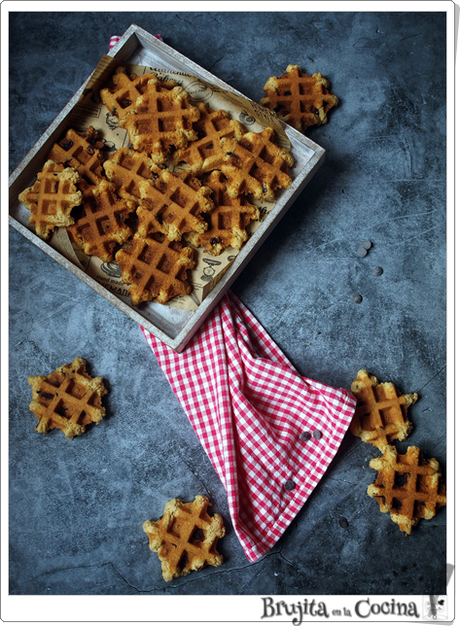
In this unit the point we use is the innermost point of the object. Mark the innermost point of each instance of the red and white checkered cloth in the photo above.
(269, 432)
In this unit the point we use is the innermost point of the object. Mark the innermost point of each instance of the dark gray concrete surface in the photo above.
(77, 507)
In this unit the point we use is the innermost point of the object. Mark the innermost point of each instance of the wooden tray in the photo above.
(174, 327)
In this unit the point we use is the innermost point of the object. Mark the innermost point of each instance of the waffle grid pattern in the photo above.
(52, 197)
(172, 204)
(155, 267)
(162, 118)
(185, 537)
(126, 169)
(299, 99)
(228, 221)
(205, 153)
(128, 88)
(81, 151)
(100, 225)
(408, 486)
(255, 165)
(68, 399)
(381, 412)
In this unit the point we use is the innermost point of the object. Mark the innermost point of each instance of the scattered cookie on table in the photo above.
(381, 411)
(67, 399)
(185, 537)
(298, 99)
(408, 486)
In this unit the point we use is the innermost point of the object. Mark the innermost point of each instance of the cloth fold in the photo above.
(269, 432)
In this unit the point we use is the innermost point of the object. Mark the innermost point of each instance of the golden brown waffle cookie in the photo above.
(128, 87)
(228, 220)
(185, 537)
(67, 399)
(155, 267)
(381, 411)
(205, 153)
(126, 168)
(52, 197)
(298, 99)
(173, 204)
(256, 165)
(408, 486)
(100, 227)
(81, 150)
(162, 119)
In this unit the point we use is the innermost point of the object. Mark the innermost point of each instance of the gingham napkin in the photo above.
(116, 38)
(270, 433)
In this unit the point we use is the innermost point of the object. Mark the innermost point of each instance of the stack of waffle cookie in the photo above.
(188, 179)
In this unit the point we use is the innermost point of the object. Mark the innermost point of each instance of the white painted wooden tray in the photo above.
(174, 327)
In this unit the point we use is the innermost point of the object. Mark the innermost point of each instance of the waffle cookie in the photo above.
(381, 411)
(127, 89)
(228, 220)
(408, 486)
(298, 99)
(206, 153)
(52, 197)
(155, 267)
(100, 227)
(255, 165)
(67, 399)
(81, 150)
(185, 537)
(126, 168)
(173, 204)
(161, 120)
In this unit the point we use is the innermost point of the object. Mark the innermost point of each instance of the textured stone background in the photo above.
(77, 507)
